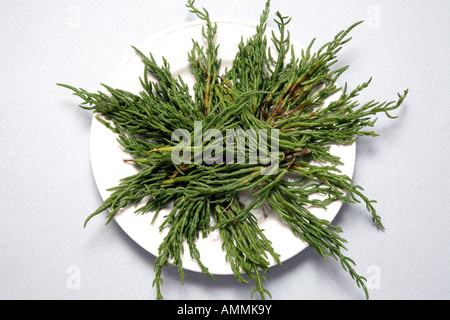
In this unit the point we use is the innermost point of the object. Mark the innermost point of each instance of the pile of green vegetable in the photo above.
(263, 91)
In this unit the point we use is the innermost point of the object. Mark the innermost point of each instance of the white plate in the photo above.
(107, 155)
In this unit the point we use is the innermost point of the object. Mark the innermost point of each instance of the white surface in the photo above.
(48, 188)
(109, 168)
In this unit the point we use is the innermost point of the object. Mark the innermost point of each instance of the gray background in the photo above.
(48, 189)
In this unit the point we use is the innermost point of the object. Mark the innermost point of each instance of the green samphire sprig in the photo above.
(262, 90)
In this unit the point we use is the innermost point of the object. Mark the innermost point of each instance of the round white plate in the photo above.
(107, 155)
